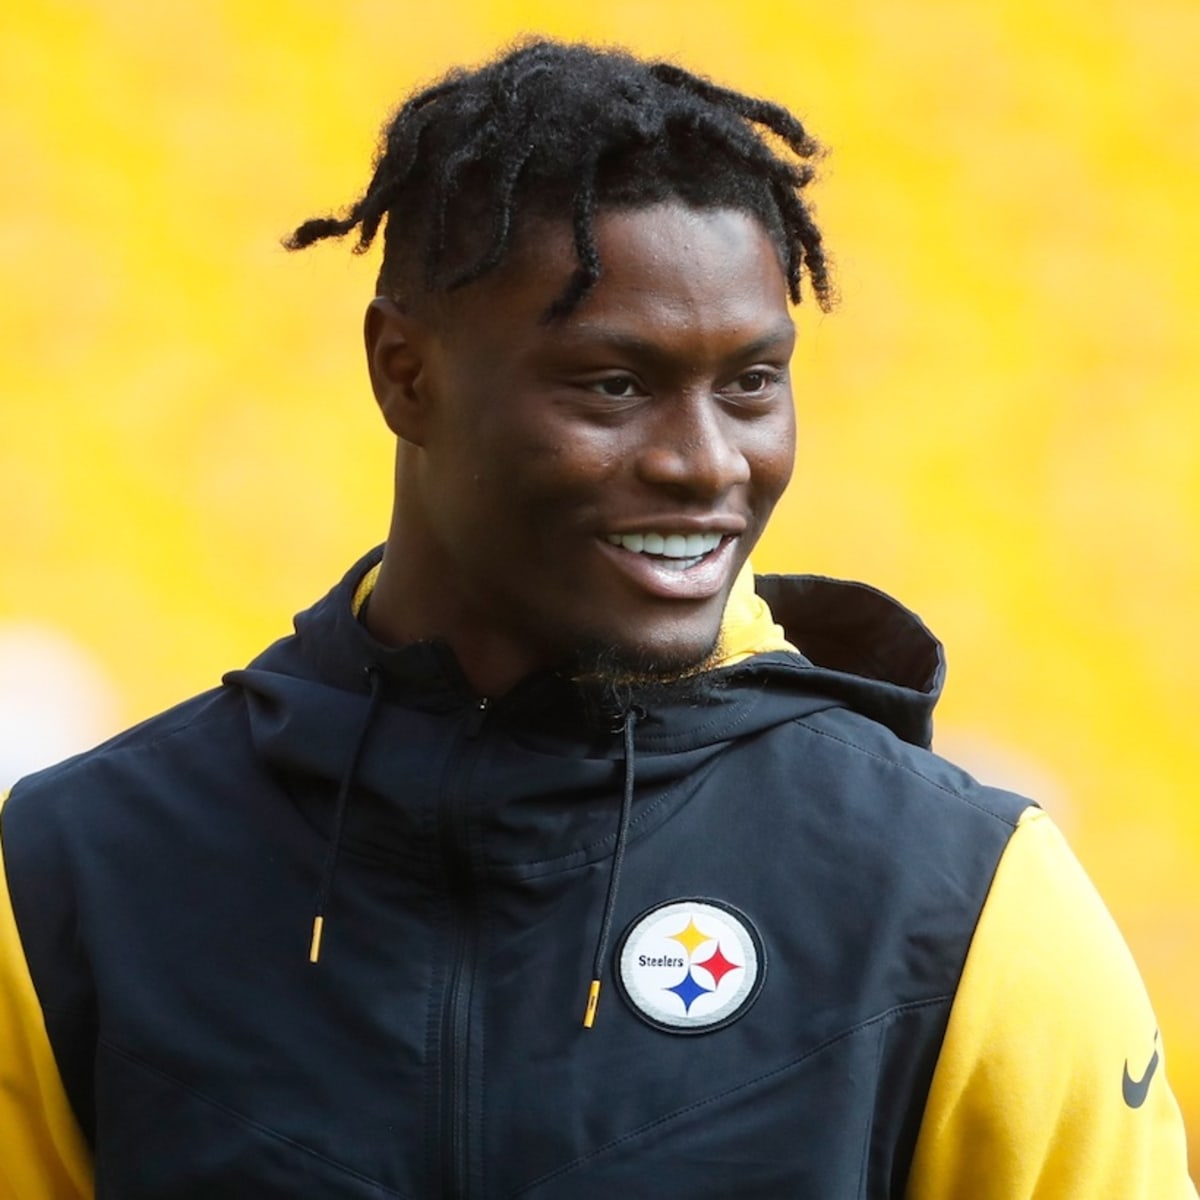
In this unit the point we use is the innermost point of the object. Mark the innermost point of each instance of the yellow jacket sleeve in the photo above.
(43, 1156)
(1051, 1083)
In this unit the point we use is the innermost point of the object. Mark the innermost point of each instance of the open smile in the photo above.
(680, 550)
(684, 566)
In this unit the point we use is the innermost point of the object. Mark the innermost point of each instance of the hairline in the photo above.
(419, 297)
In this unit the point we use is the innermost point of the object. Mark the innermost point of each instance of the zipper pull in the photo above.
(477, 716)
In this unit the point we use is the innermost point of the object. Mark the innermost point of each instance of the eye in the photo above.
(756, 382)
(617, 387)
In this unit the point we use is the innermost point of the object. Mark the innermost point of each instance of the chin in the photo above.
(613, 661)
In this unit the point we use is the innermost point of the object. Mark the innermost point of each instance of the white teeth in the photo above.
(668, 545)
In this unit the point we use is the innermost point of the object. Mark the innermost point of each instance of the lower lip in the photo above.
(701, 581)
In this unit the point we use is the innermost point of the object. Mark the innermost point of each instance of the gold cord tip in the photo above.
(314, 949)
(589, 1017)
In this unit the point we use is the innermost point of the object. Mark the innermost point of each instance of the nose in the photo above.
(694, 449)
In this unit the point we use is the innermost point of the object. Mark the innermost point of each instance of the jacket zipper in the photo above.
(456, 1010)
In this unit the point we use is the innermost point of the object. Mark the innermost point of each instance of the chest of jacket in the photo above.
(437, 1048)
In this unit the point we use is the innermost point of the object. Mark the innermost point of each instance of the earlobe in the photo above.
(393, 342)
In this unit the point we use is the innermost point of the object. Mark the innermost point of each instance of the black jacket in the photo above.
(164, 887)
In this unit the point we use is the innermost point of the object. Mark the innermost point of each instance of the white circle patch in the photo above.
(689, 966)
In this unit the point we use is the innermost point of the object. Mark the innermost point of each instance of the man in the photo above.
(548, 858)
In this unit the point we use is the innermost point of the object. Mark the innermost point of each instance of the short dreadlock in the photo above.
(553, 130)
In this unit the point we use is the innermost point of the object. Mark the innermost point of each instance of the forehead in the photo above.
(667, 265)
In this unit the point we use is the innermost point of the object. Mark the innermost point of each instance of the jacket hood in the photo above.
(855, 647)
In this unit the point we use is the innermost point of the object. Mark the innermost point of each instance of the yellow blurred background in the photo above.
(999, 425)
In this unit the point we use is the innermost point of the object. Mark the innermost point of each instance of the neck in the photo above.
(407, 605)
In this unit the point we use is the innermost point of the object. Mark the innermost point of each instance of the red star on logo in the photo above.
(718, 966)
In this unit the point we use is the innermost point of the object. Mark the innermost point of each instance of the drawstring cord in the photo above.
(614, 876)
(614, 873)
(339, 815)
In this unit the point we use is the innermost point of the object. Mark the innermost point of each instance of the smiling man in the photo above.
(553, 856)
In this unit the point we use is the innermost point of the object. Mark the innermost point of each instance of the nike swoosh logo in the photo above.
(1135, 1090)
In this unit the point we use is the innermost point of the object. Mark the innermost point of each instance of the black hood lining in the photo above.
(855, 629)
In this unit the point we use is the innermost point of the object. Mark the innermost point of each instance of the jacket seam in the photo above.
(195, 721)
(868, 1131)
(589, 852)
(248, 1121)
(666, 741)
(902, 766)
(131, 743)
(641, 1131)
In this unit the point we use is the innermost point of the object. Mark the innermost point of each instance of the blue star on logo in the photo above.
(688, 990)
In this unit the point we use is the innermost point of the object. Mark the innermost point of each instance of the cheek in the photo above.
(529, 488)
(772, 457)
(562, 464)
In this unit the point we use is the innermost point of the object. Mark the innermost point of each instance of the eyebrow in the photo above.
(638, 347)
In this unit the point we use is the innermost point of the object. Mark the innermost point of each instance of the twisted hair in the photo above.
(558, 131)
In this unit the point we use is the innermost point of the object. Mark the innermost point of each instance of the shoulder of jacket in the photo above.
(851, 735)
(102, 767)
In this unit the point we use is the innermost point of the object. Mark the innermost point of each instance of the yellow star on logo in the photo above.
(691, 937)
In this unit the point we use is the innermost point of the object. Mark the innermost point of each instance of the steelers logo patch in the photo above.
(689, 966)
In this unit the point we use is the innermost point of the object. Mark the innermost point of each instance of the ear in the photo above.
(395, 343)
